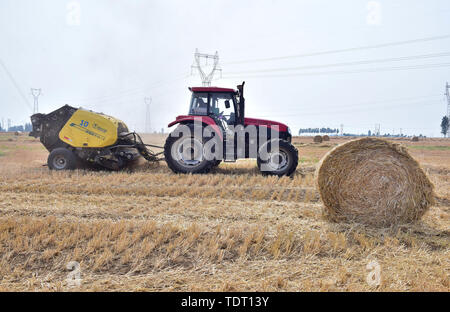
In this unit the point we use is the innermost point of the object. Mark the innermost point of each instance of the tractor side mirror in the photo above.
(227, 104)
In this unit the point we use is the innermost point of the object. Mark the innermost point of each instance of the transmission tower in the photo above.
(147, 101)
(35, 93)
(9, 124)
(447, 93)
(377, 129)
(206, 78)
(342, 129)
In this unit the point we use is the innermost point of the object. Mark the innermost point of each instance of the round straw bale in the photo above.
(373, 182)
(326, 138)
(318, 139)
(415, 139)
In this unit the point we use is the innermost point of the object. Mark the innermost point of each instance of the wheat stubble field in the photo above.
(230, 230)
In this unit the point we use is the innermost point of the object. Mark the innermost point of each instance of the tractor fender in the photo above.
(265, 123)
(206, 120)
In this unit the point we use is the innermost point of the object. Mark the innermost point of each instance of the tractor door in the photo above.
(223, 109)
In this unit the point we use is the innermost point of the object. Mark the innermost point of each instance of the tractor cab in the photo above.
(223, 105)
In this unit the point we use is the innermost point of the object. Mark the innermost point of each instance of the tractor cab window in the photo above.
(222, 107)
(199, 104)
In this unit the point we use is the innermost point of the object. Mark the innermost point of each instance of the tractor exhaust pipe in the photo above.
(241, 102)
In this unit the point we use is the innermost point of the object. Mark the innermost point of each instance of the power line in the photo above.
(404, 58)
(346, 111)
(24, 98)
(128, 92)
(376, 46)
(368, 104)
(367, 70)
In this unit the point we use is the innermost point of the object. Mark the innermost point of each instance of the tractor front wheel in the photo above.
(185, 153)
(281, 161)
(62, 159)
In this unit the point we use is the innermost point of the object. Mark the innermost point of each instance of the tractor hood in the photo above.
(263, 122)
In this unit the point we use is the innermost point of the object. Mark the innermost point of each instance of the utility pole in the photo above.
(206, 78)
(9, 124)
(147, 101)
(342, 129)
(35, 93)
(447, 93)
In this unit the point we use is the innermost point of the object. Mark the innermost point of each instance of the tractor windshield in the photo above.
(199, 104)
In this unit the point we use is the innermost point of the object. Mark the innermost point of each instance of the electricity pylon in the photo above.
(447, 93)
(206, 78)
(147, 101)
(35, 93)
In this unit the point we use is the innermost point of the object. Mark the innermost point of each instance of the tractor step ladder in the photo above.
(229, 155)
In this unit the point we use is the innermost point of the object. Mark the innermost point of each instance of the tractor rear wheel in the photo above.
(185, 153)
(281, 162)
(62, 159)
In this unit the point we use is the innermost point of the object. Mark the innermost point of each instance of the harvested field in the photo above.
(232, 229)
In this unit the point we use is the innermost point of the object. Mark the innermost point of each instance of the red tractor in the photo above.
(230, 135)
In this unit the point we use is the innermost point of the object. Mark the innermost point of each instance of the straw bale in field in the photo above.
(317, 139)
(373, 182)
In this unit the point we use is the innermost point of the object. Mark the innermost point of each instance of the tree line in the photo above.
(317, 130)
(22, 128)
(445, 126)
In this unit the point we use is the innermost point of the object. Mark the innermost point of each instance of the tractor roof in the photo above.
(210, 89)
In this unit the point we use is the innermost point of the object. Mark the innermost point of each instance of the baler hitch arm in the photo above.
(134, 140)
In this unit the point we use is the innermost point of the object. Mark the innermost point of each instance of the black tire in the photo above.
(179, 166)
(62, 159)
(287, 152)
(216, 163)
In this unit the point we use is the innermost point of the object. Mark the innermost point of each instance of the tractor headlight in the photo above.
(289, 130)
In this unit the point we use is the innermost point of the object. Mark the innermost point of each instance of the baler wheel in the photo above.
(62, 159)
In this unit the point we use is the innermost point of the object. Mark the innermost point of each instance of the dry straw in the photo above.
(317, 139)
(373, 182)
(326, 138)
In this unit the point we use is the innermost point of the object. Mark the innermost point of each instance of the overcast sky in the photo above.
(108, 55)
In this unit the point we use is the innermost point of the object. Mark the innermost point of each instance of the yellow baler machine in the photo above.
(78, 136)
(89, 129)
